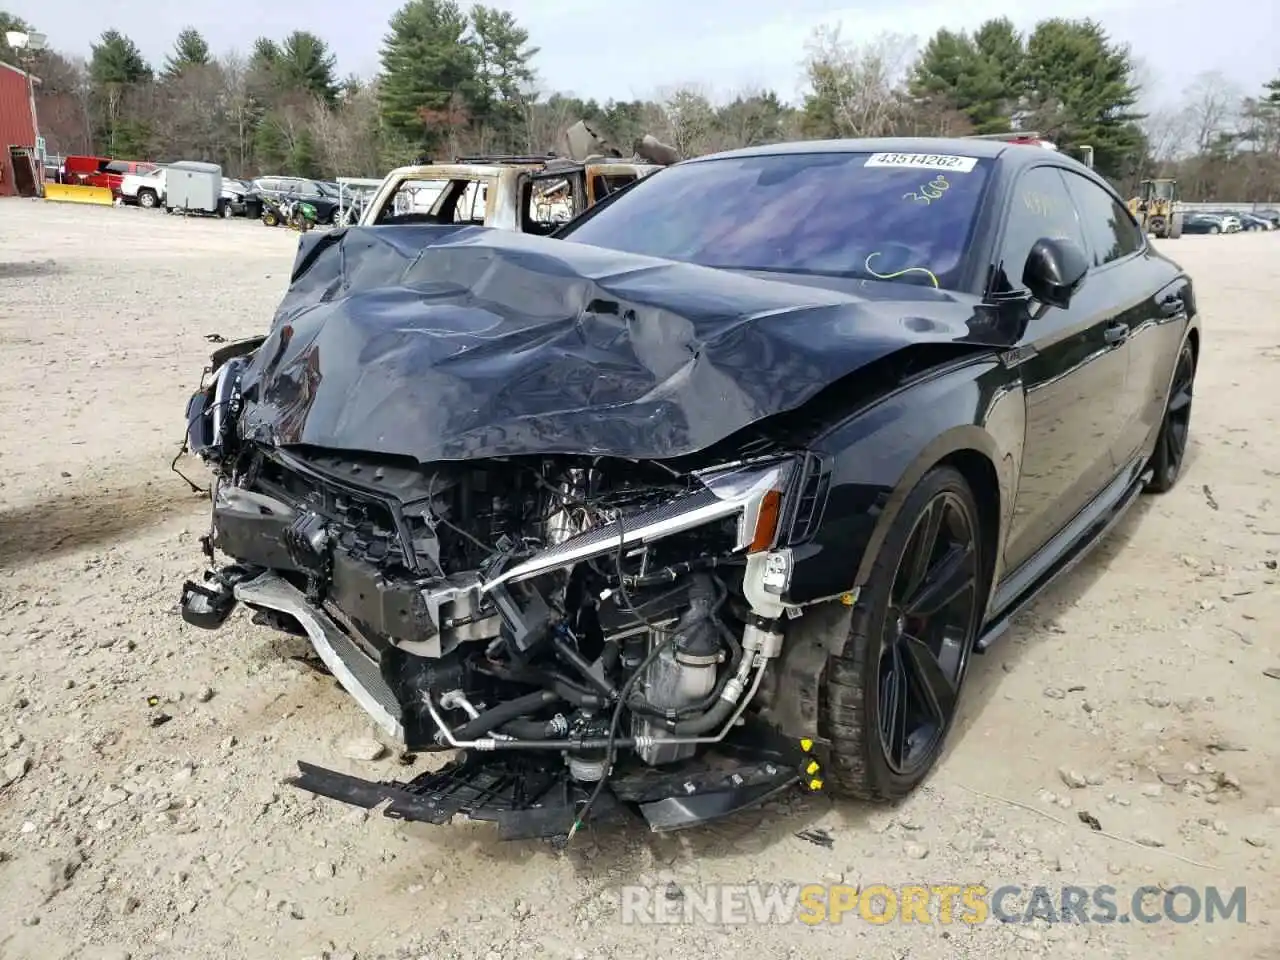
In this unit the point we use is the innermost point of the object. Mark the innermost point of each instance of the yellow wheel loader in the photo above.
(1156, 208)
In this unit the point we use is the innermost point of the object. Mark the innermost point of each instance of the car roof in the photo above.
(982, 149)
(1010, 155)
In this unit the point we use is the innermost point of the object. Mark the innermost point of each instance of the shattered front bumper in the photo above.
(531, 800)
(351, 666)
(527, 797)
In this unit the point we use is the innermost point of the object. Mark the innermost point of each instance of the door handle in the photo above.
(1117, 332)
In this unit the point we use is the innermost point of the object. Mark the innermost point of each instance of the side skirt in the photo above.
(1065, 550)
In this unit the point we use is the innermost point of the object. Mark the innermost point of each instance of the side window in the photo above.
(549, 203)
(1041, 209)
(470, 207)
(415, 199)
(1111, 231)
(602, 185)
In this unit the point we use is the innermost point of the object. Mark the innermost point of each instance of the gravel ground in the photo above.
(1134, 691)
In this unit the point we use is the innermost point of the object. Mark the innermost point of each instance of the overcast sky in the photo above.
(628, 49)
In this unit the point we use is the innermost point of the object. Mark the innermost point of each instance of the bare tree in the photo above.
(1170, 133)
(63, 103)
(346, 133)
(190, 113)
(690, 120)
(854, 87)
(241, 112)
(1212, 107)
(546, 120)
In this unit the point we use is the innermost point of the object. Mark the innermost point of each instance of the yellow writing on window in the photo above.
(926, 193)
(1039, 204)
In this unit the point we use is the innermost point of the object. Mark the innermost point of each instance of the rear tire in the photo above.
(148, 199)
(891, 693)
(1214, 230)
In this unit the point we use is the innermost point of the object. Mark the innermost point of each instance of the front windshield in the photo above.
(905, 217)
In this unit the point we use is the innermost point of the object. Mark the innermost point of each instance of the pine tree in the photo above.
(190, 50)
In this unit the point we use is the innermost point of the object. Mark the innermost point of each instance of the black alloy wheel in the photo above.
(1175, 428)
(893, 693)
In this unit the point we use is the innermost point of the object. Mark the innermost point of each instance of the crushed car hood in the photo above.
(449, 343)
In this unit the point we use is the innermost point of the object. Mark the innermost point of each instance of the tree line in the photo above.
(457, 81)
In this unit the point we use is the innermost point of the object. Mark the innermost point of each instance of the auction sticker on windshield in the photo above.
(927, 161)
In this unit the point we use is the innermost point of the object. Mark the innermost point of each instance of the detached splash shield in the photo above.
(528, 799)
(447, 343)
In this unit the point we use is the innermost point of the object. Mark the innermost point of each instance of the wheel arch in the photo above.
(974, 453)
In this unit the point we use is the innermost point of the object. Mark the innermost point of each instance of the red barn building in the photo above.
(19, 169)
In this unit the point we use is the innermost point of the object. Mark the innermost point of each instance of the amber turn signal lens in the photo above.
(766, 522)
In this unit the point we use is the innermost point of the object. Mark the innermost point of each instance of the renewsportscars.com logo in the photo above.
(937, 903)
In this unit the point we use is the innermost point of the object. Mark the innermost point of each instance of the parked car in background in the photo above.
(103, 172)
(300, 188)
(1230, 222)
(1253, 222)
(1203, 223)
(1272, 216)
(238, 198)
(143, 189)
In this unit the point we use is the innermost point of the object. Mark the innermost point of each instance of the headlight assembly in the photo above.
(751, 493)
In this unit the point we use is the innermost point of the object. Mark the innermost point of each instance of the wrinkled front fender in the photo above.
(876, 456)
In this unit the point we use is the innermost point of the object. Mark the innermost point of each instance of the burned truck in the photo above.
(529, 194)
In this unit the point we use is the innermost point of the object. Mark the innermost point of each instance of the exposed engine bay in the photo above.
(575, 620)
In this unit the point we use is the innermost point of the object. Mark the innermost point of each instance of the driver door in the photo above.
(1073, 373)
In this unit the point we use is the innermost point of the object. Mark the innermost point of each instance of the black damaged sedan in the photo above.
(710, 496)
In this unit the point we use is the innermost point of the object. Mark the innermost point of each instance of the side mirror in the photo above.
(1054, 271)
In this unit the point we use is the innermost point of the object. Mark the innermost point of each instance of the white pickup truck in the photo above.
(144, 189)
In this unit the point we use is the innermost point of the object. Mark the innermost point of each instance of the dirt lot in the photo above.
(1141, 678)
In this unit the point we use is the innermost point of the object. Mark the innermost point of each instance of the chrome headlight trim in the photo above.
(737, 490)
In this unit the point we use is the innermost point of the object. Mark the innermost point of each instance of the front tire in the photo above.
(1175, 428)
(892, 692)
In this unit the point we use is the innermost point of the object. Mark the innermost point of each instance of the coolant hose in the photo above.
(505, 713)
(711, 720)
(531, 729)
